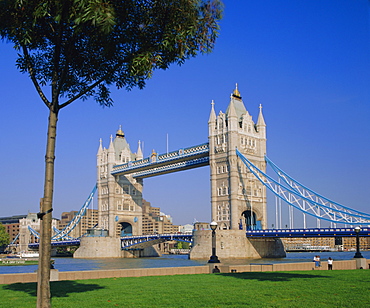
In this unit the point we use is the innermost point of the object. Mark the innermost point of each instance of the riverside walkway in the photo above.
(55, 275)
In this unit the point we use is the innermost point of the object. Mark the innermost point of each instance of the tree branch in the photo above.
(83, 92)
(33, 77)
(92, 86)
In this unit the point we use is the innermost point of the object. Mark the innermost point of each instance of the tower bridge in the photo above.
(121, 173)
(236, 155)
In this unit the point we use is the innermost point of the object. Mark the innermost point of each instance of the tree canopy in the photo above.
(81, 47)
(4, 236)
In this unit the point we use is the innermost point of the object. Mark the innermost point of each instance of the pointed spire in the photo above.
(139, 153)
(111, 151)
(153, 156)
(261, 120)
(236, 92)
(261, 125)
(237, 103)
(231, 112)
(100, 146)
(111, 147)
(212, 116)
(120, 133)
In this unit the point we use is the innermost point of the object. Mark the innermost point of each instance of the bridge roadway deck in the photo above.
(141, 241)
(314, 232)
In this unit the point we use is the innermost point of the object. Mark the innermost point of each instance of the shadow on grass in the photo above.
(272, 276)
(57, 288)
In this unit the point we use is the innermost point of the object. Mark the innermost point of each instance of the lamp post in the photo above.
(214, 258)
(358, 253)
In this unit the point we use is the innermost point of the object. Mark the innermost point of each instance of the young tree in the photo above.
(4, 237)
(77, 49)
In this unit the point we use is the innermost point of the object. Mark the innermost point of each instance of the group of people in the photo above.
(317, 261)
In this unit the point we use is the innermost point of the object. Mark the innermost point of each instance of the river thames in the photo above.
(71, 264)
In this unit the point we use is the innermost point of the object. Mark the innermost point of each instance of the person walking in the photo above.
(316, 259)
(330, 263)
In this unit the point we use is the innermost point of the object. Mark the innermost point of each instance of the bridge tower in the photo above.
(238, 199)
(119, 197)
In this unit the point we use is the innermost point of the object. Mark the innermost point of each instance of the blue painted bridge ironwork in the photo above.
(144, 241)
(314, 232)
(74, 242)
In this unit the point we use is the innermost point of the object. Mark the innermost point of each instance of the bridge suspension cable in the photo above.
(304, 199)
(73, 223)
(306, 192)
(34, 232)
(63, 234)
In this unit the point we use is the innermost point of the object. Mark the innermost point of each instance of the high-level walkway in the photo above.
(182, 159)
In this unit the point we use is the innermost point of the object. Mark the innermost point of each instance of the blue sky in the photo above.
(307, 62)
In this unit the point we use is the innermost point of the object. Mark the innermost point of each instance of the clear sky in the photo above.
(307, 62)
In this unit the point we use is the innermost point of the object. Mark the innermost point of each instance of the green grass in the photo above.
(344, 288)
(16, 262)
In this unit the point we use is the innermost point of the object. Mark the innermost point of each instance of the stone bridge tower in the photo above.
(238, 199)
(119, 197)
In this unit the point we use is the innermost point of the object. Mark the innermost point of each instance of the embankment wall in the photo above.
(55, 275)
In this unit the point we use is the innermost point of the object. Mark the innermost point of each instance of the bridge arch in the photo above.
(251, 221)
(124, 229)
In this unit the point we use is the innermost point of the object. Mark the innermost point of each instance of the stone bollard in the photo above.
(54, 275)
(361, 263)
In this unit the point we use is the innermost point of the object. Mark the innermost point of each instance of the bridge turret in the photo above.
(111, 160)
(99, 155)
(233, 118)
(261, 125)
(261, 129)
(212, 116)
(139, 153)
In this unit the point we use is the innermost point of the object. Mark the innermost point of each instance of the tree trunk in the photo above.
(43, 274)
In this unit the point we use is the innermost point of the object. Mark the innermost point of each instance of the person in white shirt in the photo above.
(330, 263)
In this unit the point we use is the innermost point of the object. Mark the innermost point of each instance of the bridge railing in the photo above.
(74, 242)
(129, 242)
(312, 232)
(149, 236)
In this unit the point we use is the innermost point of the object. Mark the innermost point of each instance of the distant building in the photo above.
(156, 222)
(340, 243)
(187, 229)
(11, 225)
(350, 243)
(18, 227)
(88, 221)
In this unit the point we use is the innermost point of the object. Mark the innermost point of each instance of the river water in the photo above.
(71, 264)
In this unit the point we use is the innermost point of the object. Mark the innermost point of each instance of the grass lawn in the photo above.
(338, 288)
